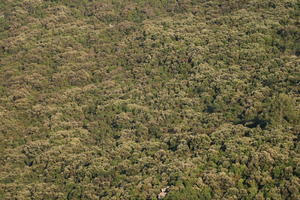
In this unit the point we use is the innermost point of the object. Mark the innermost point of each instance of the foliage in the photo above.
(111, 99)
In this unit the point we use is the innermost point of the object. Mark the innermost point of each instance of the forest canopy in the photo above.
(113, 100)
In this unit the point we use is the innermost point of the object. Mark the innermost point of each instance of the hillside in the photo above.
(116, 100)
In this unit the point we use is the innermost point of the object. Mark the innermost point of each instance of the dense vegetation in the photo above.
(113, 99)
